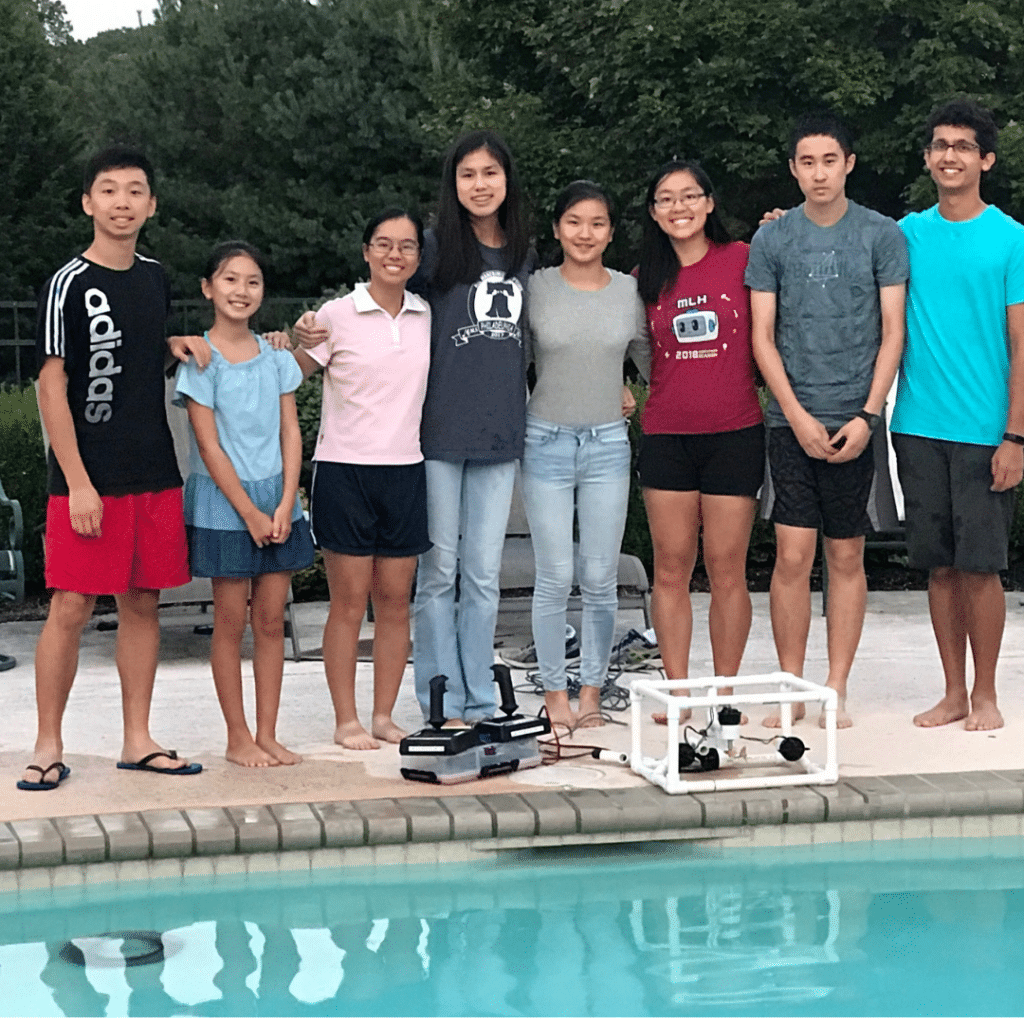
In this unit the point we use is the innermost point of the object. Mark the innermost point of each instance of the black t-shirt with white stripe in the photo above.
(109, 327)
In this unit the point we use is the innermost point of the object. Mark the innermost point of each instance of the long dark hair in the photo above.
(659, 263)
(458, 257)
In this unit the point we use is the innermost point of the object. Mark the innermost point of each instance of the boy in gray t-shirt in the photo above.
(828, 289)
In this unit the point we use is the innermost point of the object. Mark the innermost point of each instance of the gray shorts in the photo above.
(954, 519)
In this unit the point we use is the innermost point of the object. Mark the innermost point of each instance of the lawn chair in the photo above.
(12, 559)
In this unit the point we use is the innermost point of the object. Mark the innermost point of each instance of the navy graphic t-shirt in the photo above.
(475, 406)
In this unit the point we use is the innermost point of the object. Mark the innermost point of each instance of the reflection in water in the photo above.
(621, 937)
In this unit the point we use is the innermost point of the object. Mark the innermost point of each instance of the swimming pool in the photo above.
(922, 928)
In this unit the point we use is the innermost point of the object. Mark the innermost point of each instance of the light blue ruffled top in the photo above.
(246, 403)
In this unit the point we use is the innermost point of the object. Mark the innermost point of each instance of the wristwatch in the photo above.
(872, 419)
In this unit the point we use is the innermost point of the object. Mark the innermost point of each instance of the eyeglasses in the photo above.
(939, 147)
(383, 246)
(666, 202)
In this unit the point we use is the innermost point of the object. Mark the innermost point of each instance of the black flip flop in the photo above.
(64, 772)
(143, 764)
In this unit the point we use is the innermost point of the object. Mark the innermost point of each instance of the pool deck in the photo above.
(343, 807)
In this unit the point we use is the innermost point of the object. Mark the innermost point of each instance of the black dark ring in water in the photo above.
(152, 952)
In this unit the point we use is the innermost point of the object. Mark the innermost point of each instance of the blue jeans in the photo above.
(590, 464)
(467, 512)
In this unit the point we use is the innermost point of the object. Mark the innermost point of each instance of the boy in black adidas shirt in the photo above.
(114, 520)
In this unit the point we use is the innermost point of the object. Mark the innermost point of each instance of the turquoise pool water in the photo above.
(650, 930)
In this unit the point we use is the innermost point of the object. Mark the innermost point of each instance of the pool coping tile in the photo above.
(127, 836)
(881, 797)
(386, 822)
(299, 826)
(513, 816)
(170, 833)
(10, 848)
(84, 840)
(256, 828)
(39, 841)
(429, 820)
(214, 831)
(443, 825)
(595, 810)
(470, 818)
(555, 815)
(342, 824)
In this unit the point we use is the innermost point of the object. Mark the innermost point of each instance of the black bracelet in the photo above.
(1015, 438)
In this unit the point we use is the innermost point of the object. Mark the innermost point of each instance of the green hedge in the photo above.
(23, 472)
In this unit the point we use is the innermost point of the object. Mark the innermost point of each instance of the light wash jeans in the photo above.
(590, 465)
(467, 512)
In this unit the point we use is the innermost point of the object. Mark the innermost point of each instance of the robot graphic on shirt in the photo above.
(495, 304)
(695, 325)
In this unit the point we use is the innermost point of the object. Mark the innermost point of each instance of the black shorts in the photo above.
(953, 517)
(369, 510)
(731, 462)
(832, 496)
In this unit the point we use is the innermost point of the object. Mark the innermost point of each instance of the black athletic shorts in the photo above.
(953, 517)
(832, 496)
(729, 463)
(369, 510)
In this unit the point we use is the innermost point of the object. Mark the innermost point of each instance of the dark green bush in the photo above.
(23, 472)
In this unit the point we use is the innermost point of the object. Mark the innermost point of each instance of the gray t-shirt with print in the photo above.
(828, 322)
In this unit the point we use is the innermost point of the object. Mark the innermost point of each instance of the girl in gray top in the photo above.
(584, 319)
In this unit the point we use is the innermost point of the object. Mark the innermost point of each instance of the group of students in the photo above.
(426, 413)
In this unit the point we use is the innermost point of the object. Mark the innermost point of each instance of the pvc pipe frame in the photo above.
(785, 690)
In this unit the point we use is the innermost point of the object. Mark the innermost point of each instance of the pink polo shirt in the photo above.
(376, 377)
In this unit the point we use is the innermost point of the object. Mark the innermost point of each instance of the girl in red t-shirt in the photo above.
(702, 452)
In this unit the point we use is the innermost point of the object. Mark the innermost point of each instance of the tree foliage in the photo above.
(284, 122)
(289, 122)
(623, 85)
(37, 143)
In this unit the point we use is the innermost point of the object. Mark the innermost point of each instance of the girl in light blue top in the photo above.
(584, 319)
(244, 523)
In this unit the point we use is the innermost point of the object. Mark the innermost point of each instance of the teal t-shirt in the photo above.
(954, 379)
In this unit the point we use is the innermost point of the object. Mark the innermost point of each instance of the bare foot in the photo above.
(384, 729)
(949, 709)
(275, 750)
(44, 756)
(353, 736)
(774, 721)
(247, 754)
(684, 716)
(590, 714)
(843, 719)
(662, 719)
(983, 717)
(559, 712)
(455, 723)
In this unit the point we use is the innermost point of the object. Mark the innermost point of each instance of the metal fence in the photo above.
(188, 316)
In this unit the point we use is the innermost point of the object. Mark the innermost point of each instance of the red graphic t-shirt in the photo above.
(702, 369)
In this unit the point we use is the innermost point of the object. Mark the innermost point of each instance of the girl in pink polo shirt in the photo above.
(368, 505)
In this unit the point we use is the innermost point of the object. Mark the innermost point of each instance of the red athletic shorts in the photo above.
(141, 546)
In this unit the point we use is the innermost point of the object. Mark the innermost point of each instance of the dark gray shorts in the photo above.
(813, 493)
(954, 519)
